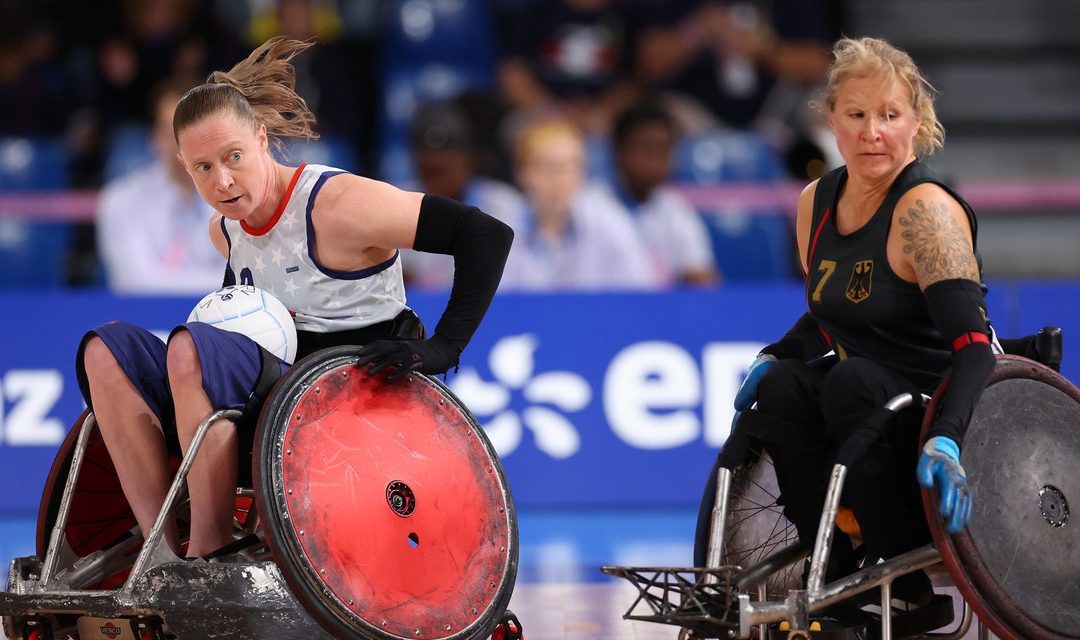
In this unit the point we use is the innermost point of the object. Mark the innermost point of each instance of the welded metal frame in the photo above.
(160, 584)
(683, 597)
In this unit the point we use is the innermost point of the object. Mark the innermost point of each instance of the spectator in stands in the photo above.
(574, 236)
(739, 63)
(677, 239)
(337, 78)
(150, 40)
(151, 223)
(569, 58)
(442, 150)
(35, 94)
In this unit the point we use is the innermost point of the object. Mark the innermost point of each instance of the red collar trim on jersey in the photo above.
(263, 230)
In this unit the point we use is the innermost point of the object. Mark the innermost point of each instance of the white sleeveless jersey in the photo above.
(279, 259)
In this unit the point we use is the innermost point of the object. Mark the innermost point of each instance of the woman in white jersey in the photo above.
(324, 242)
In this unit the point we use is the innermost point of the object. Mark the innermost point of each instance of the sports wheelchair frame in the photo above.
(1015, 565)
(379, 510)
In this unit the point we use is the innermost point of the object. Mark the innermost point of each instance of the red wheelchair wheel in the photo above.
(100, 515)
(99, 511)
(1016, 562)
(385, 506)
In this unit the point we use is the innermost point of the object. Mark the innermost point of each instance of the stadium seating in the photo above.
(33, 253)
(726, 156)
(432, 51)
(32, 164)
(128, 148)
(750, 245)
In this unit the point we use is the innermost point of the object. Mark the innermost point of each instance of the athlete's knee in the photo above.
(783, 385)
(99, 361)
(182, 360)
(849, 386)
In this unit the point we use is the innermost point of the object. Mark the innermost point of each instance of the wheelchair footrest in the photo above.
(704, 601)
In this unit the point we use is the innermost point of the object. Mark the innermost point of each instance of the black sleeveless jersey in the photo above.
(863, 308)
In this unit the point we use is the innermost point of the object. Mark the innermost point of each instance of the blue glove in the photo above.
(747, 395)
(940, 465)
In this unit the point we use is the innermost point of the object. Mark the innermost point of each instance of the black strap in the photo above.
(268, 376)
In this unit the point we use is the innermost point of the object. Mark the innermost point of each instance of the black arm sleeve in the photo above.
(958, 309)
(803, 341)
(479, 244)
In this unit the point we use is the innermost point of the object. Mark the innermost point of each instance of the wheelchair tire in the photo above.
(1016, 562)
(384, 504)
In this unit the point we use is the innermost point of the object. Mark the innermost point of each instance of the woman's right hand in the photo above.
(747, 395)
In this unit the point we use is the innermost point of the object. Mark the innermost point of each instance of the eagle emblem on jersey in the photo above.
(858, 288)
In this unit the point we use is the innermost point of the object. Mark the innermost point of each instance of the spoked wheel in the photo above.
(385, 505)
(1016, 562)
(756, 525)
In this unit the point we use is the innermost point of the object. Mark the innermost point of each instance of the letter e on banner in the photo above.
(724, 366)
(651, 394)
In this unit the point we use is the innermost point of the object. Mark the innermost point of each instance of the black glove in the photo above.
(432, 356)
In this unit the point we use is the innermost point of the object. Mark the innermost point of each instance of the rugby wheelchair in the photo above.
(378, 510)
(1017, 565)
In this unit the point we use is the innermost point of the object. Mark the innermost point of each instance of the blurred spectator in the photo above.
(337, 77)
(153, 39)
(739, 63)
(575, 236)
(35, 94)
(570, 57)
(152, 226)
(442, 149)
(677, 239)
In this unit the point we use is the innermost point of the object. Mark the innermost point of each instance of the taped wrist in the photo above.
(479, 244)
(802, 342)
(958, 309)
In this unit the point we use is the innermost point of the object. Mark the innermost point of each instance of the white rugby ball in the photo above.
(253, 312)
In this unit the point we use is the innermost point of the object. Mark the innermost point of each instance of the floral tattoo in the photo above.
(939, 247)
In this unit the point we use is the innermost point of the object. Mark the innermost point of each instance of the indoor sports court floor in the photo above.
(561, 593)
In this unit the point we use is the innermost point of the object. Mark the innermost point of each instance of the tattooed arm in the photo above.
(933, 232)
(934, 237)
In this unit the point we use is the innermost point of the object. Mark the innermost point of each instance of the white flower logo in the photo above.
(511, 362)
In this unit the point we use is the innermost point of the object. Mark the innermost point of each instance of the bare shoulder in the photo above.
(384, 215)
(803, 220)
(935, 235)
(347, 188)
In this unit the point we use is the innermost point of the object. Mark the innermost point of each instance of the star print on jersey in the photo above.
(277, 257)
(260, 266)
(288, 222)
(290, 287)
(300, 248)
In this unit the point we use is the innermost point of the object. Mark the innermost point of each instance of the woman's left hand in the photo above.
(939, 466)
(399, 357)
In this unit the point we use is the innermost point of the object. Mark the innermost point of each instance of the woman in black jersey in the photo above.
(322, 240)
(893, 288)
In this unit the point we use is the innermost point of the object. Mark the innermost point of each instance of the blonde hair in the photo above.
(538, 135)
(261, 89)
(863, 57)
